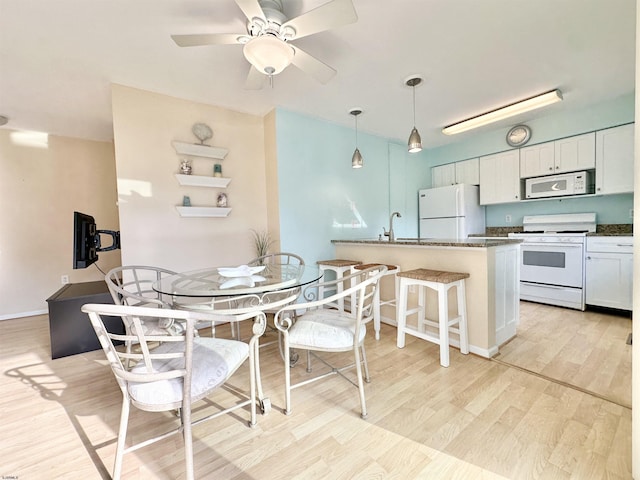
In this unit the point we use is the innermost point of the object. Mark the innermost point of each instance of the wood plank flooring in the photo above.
(477, 419)
(585, 349)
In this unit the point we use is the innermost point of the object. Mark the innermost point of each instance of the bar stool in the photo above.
(377, 301)
(441, 282)
(340, 267)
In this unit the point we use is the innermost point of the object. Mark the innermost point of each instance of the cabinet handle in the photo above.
(588, 258)
(624, 244)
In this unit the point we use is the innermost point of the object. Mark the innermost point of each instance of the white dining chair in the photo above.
(173, 374)
(321, 329)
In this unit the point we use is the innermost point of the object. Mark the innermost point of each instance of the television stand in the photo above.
(70, 329)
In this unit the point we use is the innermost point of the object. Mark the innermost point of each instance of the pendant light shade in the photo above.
(356, 159)
(268, 54)
(415, 142)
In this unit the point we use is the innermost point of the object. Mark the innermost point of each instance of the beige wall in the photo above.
(43, 180)
(145, 124)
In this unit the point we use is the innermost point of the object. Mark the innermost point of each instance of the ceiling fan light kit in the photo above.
(269, 31)
(414, 144)
(507, 111)
(356, 159)
(268, 54)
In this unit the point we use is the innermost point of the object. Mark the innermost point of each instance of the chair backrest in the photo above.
(280, 258)
(132, 285)
(143, 358)
(362, 284)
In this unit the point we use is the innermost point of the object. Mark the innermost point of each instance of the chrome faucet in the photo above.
(390, 234)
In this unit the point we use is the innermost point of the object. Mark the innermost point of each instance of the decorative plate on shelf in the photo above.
(202, 132)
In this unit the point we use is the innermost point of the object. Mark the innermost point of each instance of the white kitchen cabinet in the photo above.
(507, 291)
(537, 160)
(569, 154)
(609, 272)
(614, 160)
(468, 171)
(443, 175)
(575, 153)
(500, 178)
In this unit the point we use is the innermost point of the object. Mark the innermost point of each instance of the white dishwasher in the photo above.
(609, 272)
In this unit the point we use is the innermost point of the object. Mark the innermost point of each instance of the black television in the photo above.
(86, 240)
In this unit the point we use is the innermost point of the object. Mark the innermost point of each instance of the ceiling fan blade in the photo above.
(312, 66)
(330, 15)
(255, 79)
(197, 40)
(251, 9)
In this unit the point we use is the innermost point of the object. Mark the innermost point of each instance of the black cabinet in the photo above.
(70, 329)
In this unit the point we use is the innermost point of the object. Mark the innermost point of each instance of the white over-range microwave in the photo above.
(574, 183)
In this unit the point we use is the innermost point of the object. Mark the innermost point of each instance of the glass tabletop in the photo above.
(228, 281)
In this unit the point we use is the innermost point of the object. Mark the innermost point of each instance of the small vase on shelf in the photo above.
(217, 170)
(185, 167)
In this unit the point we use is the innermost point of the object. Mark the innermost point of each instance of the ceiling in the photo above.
(58, 59)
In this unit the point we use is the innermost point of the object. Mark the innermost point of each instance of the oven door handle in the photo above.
(544, 244)
(546, 285)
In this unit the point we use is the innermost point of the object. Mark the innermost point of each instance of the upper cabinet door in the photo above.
(575, 153)
(537, 160)
(614, 160)
(468, 171)
(443, 175)
(500, 178)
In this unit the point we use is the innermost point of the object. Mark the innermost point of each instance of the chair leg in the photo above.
(367, 378)
(287, 374)
(308, 361)
(462, 314)
(188, 442)
(401, 318)
(443, 320)
(122, 436)
(376, 313)
(358, 364)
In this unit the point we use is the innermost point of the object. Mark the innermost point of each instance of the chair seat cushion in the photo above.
(214, 361)
(324, 329)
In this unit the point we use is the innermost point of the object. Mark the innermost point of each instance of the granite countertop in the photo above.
(602, 230)
(436, 242)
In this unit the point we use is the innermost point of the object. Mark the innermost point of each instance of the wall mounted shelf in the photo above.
(202, 211)
(196, 150)
(202, 181)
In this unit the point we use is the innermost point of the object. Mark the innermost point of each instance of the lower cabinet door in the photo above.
(609, 280)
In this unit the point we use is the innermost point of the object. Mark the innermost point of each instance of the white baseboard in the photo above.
(11, 316)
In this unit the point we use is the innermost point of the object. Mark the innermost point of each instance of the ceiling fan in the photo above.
(267, 41)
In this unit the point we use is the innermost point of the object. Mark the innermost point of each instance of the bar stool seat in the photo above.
(339, 267)
(441, 282)
(377, 301)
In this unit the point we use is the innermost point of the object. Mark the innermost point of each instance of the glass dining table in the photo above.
(231, 293)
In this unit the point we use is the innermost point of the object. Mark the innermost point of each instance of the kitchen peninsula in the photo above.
(492, 290)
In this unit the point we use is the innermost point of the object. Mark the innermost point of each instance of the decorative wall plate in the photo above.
(202, 132)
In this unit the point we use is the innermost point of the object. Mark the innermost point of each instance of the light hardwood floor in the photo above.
(477, 419)
(585, 349)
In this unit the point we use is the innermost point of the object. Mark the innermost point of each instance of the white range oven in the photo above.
(552, 258)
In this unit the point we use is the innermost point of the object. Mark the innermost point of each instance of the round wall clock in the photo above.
(518, 135)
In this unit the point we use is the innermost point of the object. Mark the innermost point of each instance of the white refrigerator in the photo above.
(450, 212)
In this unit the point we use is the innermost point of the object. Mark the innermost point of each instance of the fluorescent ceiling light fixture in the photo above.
(505, 112)
(268, 54)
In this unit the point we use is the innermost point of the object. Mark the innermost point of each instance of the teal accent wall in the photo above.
(321, 197)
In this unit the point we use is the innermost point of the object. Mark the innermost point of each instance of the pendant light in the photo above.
(415, 142)
(356, 159)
